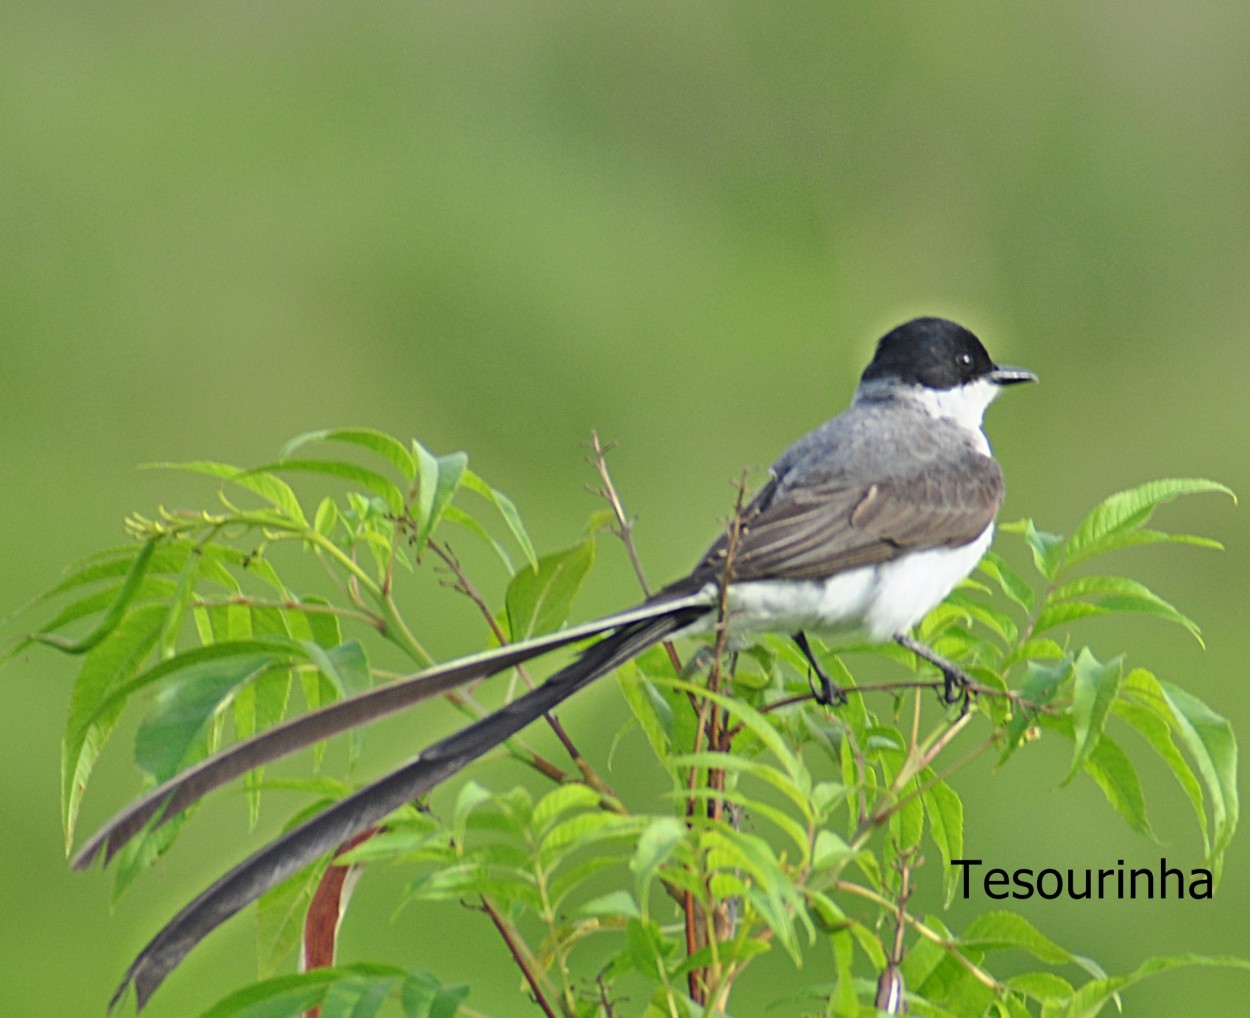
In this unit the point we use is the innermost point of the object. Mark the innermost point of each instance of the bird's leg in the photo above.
(830, 693)
(958, 685)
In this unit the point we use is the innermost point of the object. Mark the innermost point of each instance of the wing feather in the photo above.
(816, 530)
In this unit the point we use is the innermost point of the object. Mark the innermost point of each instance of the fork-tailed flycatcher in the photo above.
(864, 525)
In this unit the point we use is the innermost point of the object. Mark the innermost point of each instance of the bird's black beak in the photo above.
(1005, 375)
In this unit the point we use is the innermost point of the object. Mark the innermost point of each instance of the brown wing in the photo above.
(815, 531)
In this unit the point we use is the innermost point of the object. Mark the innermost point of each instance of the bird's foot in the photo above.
(830, 694)
(957, 685)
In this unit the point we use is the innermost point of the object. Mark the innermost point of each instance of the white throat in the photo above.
(964, 404)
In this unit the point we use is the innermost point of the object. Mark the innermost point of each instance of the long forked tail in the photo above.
(186, 788)
(330, 828)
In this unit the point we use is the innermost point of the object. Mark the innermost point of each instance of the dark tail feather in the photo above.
(329, 829)
(185, 789)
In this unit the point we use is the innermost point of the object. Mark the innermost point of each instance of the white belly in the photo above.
(877, 602)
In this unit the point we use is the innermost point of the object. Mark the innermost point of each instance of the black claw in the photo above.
(830, 694)
(956, 685)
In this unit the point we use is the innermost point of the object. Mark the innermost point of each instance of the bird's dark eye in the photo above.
(964, 360)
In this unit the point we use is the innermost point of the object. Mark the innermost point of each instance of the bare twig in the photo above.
(624, 527)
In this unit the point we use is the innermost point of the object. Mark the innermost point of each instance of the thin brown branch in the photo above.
(709, 727)
(624, 528)
(624, 525)
(520, 956)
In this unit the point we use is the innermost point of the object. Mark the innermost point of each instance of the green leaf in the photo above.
(352, 990)
(327, 517)
(1047, 548)
(1090, 998)
(456, 515)
(109, 564)
(506, 509)
(1041, 682)
(346, 666)
(1143, 706)
(1042, 986)
(538, 599)
(438, 479)
(661, 838)
(614, 905)
(88, 727)
(370, 480)
(754, 807)
(272, 489)
(182, 709)
(651, 710)
(1113, 519)
(115, 612)
(423, 996)
(560, 800)
(1114, 773)
(257, 706)
(996, 931)
(470, 797)
(1060, 614)
(379, 442)
(1012, 584)
(946, 826)
(285, 996)
(1120, 594)
(179, 605)
(280, 917)
(1094, 689)
(153, 588)
(347, 669)
(998, 622)
(276, 647)
(1034, 650)
(1210, 741)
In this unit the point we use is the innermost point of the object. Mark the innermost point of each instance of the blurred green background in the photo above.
(498, 226)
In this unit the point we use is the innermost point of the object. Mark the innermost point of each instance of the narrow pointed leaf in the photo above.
(1114, 773)
(1210, 741)
(1094, 689)
(1142, 705)
(946, 826)
(1120, 594)
(456, 515)
(88, 727)
(437, 481)
(379, 442)
(1012, 584)
(1090, 999)
(1047, 548)
(115, 611)
(996, 931)
(272, 489)
(503, 505)
(1126, 511)
(370, 480)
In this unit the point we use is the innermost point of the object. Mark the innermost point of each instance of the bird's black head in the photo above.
(936, 353)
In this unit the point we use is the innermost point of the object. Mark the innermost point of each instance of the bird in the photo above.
(863, 526)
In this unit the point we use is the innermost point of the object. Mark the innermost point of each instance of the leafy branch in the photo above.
(784, 826)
